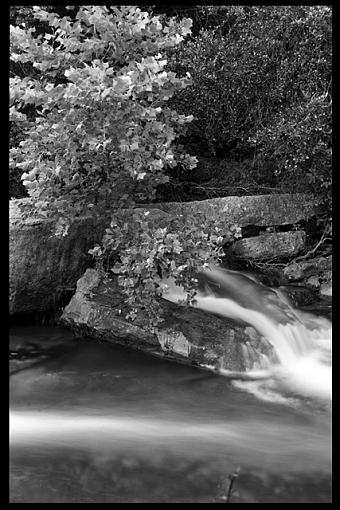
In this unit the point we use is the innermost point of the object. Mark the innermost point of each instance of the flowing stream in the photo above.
(101, 423)
(302, 342)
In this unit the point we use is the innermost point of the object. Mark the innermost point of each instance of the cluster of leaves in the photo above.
(23, 16)
(262, 89)
(146, 249)
(203, 17)
(103, 131)
(102, 134)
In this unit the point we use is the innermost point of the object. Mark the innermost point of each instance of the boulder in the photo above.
(42, 266)
(260, 210)
(318, 266)
(267, 245)
(313, 281)
(186, 335)
(326, 289)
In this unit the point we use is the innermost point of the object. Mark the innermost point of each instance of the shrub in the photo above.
(102, 133)
(103, 129)
(256, 71)
(300, 145)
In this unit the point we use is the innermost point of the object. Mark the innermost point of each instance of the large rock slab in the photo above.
(267, 245)
(187, 335)
(260, 210)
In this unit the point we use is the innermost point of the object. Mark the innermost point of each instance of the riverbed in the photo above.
(96, 422)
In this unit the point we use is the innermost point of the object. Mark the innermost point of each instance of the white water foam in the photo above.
(302, 341)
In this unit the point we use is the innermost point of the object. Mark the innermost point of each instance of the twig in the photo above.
(232, 478)
(324, 238)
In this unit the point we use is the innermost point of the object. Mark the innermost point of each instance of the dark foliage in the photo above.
(261, 92)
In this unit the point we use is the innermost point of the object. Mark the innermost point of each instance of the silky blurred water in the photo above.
(301, 360)
(100, 423)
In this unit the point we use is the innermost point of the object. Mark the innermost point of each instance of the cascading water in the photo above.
(301, 341)
(101, 423)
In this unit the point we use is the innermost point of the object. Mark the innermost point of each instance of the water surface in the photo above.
(100, 423)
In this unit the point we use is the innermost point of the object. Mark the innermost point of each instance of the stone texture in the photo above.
(321, 266)
(267, 245)
(187, 335)
(315, 273)
(260, 210)
(313, 281)
(326, 289)
(41, 266)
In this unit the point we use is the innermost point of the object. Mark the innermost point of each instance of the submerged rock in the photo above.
(28, 351)
(186, 335)
(299, 295)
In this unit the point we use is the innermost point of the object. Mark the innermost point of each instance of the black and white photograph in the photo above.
(170, 253)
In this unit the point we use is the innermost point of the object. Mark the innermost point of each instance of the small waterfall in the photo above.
(301, 341)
